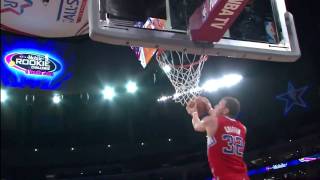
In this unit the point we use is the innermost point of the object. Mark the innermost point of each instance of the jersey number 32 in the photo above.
(235, 145)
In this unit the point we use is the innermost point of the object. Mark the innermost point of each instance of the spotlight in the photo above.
(131, 87)
(211, 85)
(176, 95)
(226, 81)
(30, 99)
(4, 95)
(57, 98)
(231, 80)
(108, 93)
(166, 68)
(85, 98)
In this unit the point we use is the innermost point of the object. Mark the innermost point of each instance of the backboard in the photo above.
(263, 31)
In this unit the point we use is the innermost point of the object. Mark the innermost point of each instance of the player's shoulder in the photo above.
(245, 128)
(209, 119)
(242, 125)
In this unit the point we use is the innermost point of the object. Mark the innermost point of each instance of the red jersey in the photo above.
(225, 150)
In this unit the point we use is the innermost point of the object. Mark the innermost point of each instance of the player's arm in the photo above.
(203, 125)
(198, 125)
(196, 122)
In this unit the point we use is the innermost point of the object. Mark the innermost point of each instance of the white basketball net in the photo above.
(183, 71)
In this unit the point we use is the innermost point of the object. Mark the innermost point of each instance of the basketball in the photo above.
(202, 108)
(201, 103)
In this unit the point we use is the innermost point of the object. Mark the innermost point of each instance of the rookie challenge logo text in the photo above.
(33, 64)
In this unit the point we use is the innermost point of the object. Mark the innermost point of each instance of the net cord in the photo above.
(184, 74)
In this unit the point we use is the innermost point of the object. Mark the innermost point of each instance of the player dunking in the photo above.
(225, 137)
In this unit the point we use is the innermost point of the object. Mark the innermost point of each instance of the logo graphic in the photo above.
(279, 166)
(15, 6)
(33, 64)
(71, 11)
(293, 97)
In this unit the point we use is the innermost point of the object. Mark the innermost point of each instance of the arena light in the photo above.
(108, 93)
(56, 99)
(231, 80)
(4, 96)
(166, 68)
(131, 87)
(212, 85)
(50, 176)
(164, 98)
(225, 82)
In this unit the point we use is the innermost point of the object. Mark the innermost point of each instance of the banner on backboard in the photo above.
(212, 19)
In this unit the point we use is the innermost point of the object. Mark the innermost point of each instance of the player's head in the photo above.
(228, 106)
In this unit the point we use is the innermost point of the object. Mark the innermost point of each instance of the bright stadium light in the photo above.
(166, 68)
(108, 93)
(56, 99)
(226, 81)
(131, 87)
(231, 80)
(4, 95)
(176, 95)
(211, 86)
(164, 98)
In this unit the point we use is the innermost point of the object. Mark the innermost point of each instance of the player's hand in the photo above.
(191, 106)
(206, 100)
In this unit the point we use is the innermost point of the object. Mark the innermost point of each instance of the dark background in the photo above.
(90, 125)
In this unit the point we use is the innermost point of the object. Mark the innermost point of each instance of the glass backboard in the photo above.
(263, 31)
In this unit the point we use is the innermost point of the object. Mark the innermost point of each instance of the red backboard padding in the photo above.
(211, 20)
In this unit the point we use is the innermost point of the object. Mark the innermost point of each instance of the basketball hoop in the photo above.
(183, 71)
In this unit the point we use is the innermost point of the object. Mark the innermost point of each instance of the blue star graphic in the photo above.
(293, 97)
